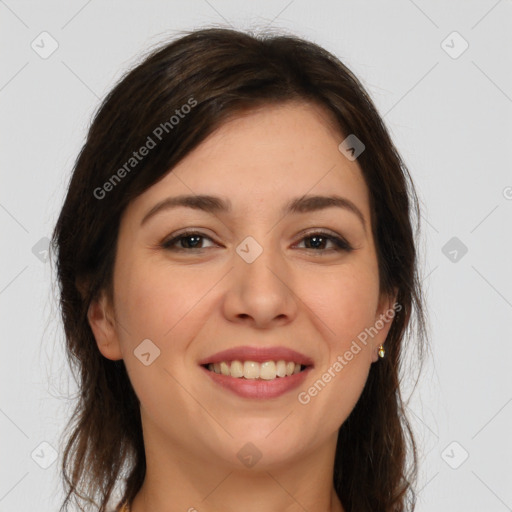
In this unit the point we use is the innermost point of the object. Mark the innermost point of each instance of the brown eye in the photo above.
(317, 242)
(186, 241)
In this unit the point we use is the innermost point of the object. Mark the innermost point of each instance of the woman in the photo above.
(238, 271)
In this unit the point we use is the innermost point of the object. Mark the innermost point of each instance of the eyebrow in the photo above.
(213, 204)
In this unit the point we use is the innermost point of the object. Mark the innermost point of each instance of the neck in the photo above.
(176, 480)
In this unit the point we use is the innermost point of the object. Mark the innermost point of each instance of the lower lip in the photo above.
(258, 388)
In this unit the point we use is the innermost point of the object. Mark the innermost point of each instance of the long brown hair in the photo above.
(221, 73)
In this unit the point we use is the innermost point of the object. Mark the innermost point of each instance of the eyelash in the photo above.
(340, 243)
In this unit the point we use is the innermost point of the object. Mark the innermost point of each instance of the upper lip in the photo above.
(258, 355)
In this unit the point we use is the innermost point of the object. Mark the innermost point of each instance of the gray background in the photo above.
(451, 118)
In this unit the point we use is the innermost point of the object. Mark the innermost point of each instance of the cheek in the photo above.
(346, 299)
(152, 300)
(156, 304)
(347, 303)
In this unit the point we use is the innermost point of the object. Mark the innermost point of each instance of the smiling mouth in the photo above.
(251, 370)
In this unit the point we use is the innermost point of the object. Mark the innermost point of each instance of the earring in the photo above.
(381, 351)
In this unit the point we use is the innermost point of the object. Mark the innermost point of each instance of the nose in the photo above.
(260, 294)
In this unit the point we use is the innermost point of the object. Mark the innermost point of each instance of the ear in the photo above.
(102, 321)
(384, 315)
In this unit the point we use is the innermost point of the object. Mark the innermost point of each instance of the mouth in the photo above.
(257, 372)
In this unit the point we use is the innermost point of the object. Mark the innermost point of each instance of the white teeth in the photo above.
(281, 368)
(251, 370)
(224, 368)
(237, 369)
(269, 370)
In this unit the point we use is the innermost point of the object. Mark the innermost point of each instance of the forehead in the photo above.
(260, 158)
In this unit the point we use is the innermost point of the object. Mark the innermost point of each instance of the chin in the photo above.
(258, 450)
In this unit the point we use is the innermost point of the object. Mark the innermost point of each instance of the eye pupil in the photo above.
(192, 237)
(317, 241)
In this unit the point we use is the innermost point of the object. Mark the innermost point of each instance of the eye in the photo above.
(316, 241)
(189, 240)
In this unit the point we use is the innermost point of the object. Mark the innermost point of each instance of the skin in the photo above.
(193, 304)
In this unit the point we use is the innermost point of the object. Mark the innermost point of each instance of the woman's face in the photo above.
(266, 283)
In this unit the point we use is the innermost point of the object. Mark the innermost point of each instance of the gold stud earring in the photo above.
(381, 351)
